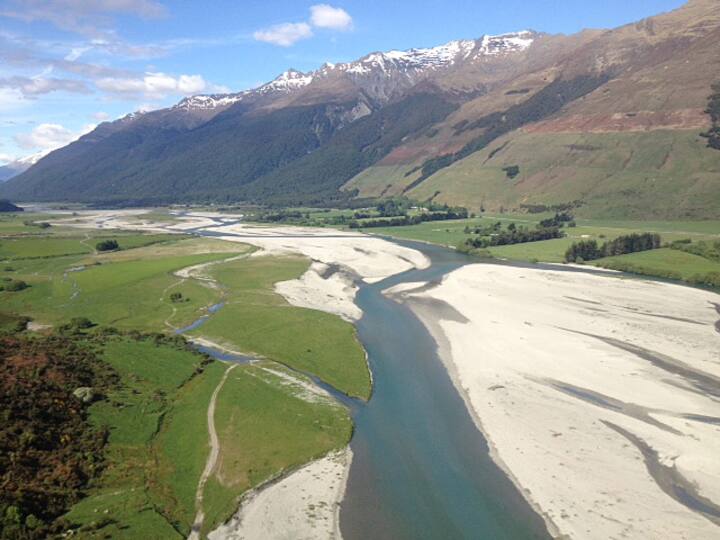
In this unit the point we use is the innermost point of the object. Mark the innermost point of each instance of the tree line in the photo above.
(452, 213)
(590, 250)
(515, 235)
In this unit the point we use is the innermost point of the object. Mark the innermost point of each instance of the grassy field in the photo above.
(670, 263)
(257, 320)
(135, 497)
(616, 174)
(268, 422)
(270, 418)
(54, 245)
(660, 263)
(128, 289)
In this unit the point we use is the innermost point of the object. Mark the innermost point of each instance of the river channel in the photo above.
(421, 468)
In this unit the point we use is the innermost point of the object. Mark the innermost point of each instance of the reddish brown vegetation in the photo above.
(48, 450)
(636, 121)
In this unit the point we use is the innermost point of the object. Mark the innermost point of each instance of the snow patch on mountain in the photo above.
(288, 81)
(20, 165)
(412, 63)
(210, 102)
(506, 43)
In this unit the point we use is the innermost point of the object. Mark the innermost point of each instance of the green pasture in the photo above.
(257, 320)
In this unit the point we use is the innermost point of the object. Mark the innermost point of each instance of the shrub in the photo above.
(16, 286)
(711, 279)
(177, 297)
(107, 245)
(81, 323)
(512, 171)
(585, 250)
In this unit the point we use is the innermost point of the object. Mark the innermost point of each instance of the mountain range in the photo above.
(19, 165)
(609, 122)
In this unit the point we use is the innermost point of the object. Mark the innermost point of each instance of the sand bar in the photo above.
(301, 506)
(599, 395)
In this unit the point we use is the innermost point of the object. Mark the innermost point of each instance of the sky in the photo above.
(67, 65)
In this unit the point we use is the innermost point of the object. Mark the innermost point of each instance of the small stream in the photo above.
(217, 354)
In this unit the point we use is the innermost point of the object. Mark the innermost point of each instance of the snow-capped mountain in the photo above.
(374, 72)
(285, 83)
(415, 122)
(443, 56)
(20, 165)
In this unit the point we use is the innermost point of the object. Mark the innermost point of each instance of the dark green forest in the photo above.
(289, 156)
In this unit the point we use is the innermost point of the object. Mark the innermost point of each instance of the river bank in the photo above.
(308, 501)
(599, 395)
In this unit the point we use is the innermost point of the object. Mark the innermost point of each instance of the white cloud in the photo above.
(11, 99)
(153, 85)
(36, 86)
(326, 16)
(321, 16)
(101, 116)
(47, 137)
(191, 84)
(285, 34)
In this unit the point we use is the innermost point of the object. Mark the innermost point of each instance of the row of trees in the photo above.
(589, 250)
(452, 213)
(515, 235)
(558, 220)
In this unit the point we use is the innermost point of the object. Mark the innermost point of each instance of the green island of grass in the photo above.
(257, 320)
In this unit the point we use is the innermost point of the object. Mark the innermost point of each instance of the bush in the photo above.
(585, 250)
(81, 323)
(706, 249)
(177, 297)
(711, 279)
(16, 285)
(107, 245)
(512, 171)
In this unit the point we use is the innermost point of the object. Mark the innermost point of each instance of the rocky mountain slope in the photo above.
(608, 121)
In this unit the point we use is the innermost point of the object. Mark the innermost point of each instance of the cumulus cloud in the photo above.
(321, 16)
(47, 137)
(327, 16)
(152, 85)
(31, 87)
(285, 34)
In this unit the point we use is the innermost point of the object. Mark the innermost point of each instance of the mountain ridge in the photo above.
(276, 143)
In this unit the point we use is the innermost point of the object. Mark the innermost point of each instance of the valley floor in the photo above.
(599, 394)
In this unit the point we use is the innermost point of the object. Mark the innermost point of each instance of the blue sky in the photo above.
(66, 65)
